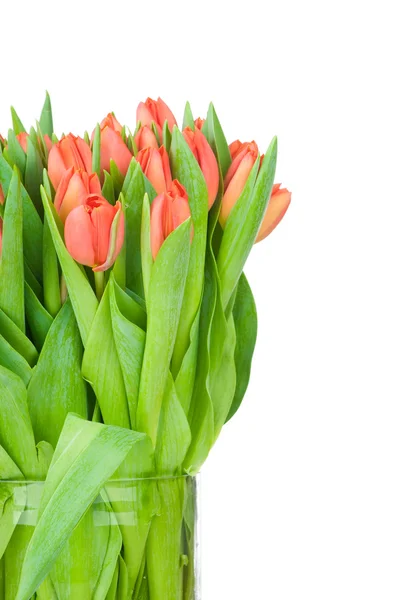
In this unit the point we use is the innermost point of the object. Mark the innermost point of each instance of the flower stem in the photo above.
(99, 277)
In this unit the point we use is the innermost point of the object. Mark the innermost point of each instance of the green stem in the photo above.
(99, 277)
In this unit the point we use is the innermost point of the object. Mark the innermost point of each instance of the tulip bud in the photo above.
(155, 111)
(94, 233)
(23, 140)
(73, 190)
(277, 207)
(71, 151)
(199, 123)
(168, 211)
(113, 146)
(156, 166)
(243, 158)
(203, 153)
(145, 138)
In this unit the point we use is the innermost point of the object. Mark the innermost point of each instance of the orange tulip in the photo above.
(277, 207)
(94, 233)
(155, 111)
(243, 158)
(168, 211)
(73, 190)
(113, 146)
(23, 140)
(71, 151)
(145, 138)
(207, 161)
(156, 166)
(199, 123)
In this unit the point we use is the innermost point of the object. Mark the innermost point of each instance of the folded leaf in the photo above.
(18, 340)
(39, 320)
(46, 117)
(216, 138)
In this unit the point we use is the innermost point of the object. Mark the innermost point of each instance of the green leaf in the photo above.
(117, 178)
(188, 121)
(34, 175)
(83, 298)
(130, 343)
(166, 136)
(134, 195)
(12, 360)
(146, 251)
(244, 223)
(97, 367)
(96, 166)
(57, 386)
(11, 507)
(15, 153)
(32, 225)
(16, 122)
(12, 265)
(186, 169)
(39, 320)
(17, 339)
(166, 291)
(185, 380)
(77, 473)
(245, 317)
(16, 434)
(216, 138)
(108, 191)
(46, 117)
(51, 282)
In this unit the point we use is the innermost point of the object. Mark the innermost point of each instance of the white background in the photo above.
(300, 495)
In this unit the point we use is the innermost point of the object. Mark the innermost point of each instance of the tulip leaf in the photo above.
(117, 178)
(129, 342)
(83, 298)
(245, 317)
(108, 191)
(12, 264)
(12, 360)
(17, 339)
(188, 121)
(96, 166)
(185, 380)
(51, 283)
(77, 473)
(15, 153)
(46, 117)
(186, 169)
(39, 320)
(164, 301)
(244, 222)
(57, 386)
(16, 122)
(134, 195)
(34, 175)
(166, 136)
(216, 138)
(10, 507)
(32, 225)
(146, 251)
(16, 434)
(96, 367)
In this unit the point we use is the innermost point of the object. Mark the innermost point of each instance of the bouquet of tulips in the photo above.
(127, 329)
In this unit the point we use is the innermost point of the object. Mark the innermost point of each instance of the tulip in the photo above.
(113, 146)
(23, 140)
(243, 158)
(94, 233)
(156, 166)
(155, 111)
(207, 161)
(277, 207)
(168, 211)
(145, 138)
(71, 151)
(199, 123)
(73, 190)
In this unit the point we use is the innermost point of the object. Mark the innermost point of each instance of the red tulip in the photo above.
(113, 146)
(277, 207)
(243, 158)
(168, 211)
(71, 151)
(156, 166)
(73, 190)
(145, 138)
(23, 140)
(94, 233)
(155, 111)
(199, 123)
(206, 159)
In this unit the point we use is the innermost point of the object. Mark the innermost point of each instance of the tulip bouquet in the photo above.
(127, 329)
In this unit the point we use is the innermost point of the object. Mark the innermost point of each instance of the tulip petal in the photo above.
(235, 187)
(165, 114)
(116, 239)
(114, 148)
(56, 166)
(278, 205)
(157, 219)
(80, 236)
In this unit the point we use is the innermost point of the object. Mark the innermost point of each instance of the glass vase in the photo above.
(137, 541)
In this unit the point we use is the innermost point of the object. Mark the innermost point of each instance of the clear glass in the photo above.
(137, 541)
